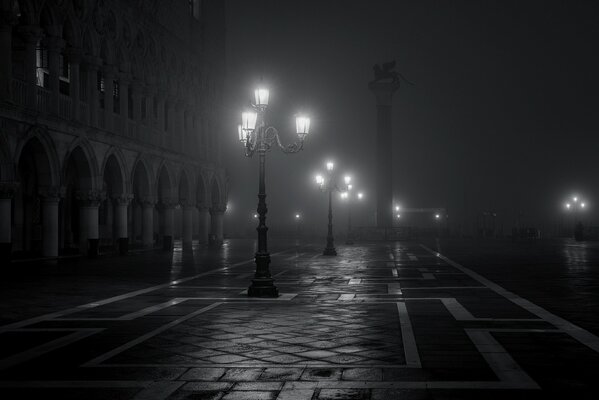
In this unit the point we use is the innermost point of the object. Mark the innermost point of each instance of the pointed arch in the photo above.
(201, 192)
(90, 43)
(52, 167)
(114, 171)
(106, 51)
(164, 184)
(216, 195)
(184, 187)
(141, 185)
(71, 33)
(89, 160)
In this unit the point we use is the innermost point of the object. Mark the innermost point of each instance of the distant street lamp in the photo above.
(576, 206)
(256, 136)
(327, 184)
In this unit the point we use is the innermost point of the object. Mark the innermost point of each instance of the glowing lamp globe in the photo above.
(248, 121)
(261, 96)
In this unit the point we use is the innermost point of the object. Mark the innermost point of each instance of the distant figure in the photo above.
(386, 72)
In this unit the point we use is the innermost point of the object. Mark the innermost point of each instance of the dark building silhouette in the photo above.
(110, 116)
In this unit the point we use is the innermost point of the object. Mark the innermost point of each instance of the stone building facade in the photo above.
(110, 114)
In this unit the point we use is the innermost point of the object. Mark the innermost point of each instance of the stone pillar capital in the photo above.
(90, 198)
(8, 189)
(51, 193)
(187, 203)
(168, 203)
(122, 199)
(147, 201)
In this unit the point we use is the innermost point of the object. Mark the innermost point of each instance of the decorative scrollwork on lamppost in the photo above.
(258, 137)
(328, 185)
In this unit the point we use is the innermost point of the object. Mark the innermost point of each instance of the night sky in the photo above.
(502, 116)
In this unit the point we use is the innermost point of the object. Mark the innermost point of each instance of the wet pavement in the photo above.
(437, 320)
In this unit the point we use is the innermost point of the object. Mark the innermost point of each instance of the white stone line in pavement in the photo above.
(57, 314)
(408, 338)
(355, 281)
(443, 287)
(159, 390)
(37, 351)
(298, 385)
(76, 384)
(394, 272)
(148, 335)
(412, 257)
(346, 296)
(582, 335)
(500, 361)
(280, 273)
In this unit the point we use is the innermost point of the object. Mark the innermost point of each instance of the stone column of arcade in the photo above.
(89, 202)
(7, 192)
(383, 91)
(187, 225)
(120, 221)
(147, 235)
(50, 198)
(216, 231)
(168, 221)
(203, 223)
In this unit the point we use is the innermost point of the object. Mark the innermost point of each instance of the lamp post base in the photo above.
(263, 287)
(329, 251)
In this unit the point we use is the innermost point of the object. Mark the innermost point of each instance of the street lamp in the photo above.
(259, 138)
(328, 184)
(575, 207)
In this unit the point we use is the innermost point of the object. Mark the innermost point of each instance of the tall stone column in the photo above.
(7, 192)
(203, 223)
(168, 223)
(383, 91)
(121, 204)
(216, 228)
(187, 225)
(147, 224)
(7, 20)
(50, 199)
(89, 201)
(55, 46)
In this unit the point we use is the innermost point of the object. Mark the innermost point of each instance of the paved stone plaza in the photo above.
(380, 321)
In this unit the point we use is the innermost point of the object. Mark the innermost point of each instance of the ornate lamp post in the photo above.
(258, 137)
(329, 186)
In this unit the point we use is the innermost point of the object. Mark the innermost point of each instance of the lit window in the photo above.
(42, 72)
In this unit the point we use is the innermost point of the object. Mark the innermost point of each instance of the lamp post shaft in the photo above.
(349, 239)
(330, 249)
(262, 284)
